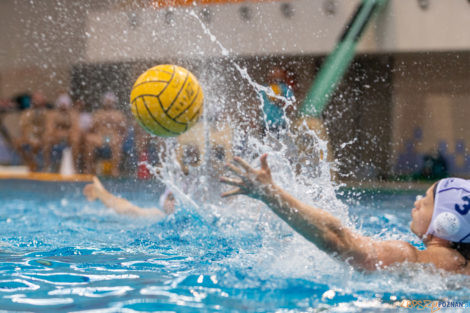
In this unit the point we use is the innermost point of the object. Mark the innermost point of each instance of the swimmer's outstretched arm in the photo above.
(316, 225)
(122, 206)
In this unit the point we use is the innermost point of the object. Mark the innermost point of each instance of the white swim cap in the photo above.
(451, 216)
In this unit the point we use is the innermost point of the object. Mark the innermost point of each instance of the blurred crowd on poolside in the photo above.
(39, 134)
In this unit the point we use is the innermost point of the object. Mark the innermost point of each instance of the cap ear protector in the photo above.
(451, 216)
(446, 224)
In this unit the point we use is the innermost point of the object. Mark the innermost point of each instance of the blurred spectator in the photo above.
(434, 167)
(277, 101)
(32, 128)
(85, 120)
(7, 105)
(192, 147)
(61, 129)
(149, 149)
(23, 101)
(106, 136)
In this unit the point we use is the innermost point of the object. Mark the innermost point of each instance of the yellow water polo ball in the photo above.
(167, 100)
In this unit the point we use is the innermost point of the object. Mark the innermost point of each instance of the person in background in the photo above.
(149, 150)
(277, 102)
(61, 128)
(32, 127)
(434, 167)
(96, 190)
(7, 109)
(85, 120)
(107, 132)
(441, 218)
(6, 106)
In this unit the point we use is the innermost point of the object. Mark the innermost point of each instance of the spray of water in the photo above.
(310, 181)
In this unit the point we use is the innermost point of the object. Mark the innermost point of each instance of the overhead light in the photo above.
(245, 13)
(330, 6)
(133, 19)
(287, 10)
(423, 4)
(206, 15)
(169, 17)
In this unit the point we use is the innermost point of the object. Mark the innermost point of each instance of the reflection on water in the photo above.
(82, 257)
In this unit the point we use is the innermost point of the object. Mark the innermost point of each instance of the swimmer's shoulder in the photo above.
(396, 251)
(445, 258)
(392, 252)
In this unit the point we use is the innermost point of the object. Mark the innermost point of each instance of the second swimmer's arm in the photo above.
(120, 205)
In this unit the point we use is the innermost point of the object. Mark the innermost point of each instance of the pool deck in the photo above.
(388, 185)
(22, 173)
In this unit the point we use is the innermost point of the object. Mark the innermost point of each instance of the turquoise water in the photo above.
(59, 253)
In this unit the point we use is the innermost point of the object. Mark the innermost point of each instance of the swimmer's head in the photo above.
(63, 101)
(79, 104)
(109, 99)
(38, 100)
(451, 215)
(276, 75)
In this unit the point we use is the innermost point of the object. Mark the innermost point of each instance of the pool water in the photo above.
(59, 253)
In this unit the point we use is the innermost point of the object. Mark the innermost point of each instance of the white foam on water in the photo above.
(21, 298)
(92, 292)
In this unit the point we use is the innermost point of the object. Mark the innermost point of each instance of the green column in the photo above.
(338, 61)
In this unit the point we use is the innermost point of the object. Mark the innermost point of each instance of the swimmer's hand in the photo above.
(94, 190)
(255, 183)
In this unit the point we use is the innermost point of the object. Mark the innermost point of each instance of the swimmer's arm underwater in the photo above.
(122, 206)
(316, 225)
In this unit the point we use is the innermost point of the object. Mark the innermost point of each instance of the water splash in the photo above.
(309, 182)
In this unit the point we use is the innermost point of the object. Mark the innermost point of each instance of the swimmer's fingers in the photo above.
(264, 162)
(231, 181)
(233, 192)
(237, 171)
(244, 164)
